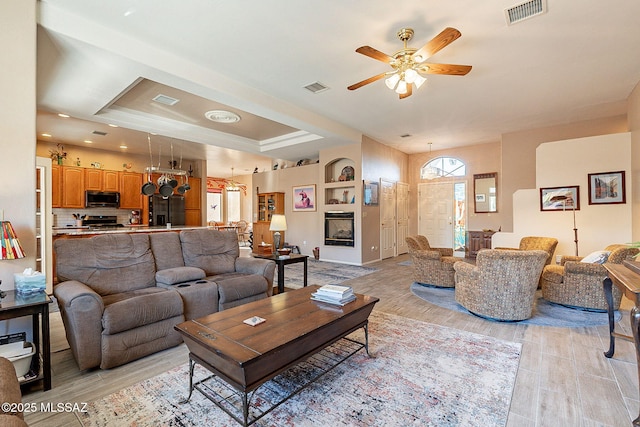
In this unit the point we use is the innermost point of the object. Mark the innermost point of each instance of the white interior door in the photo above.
(388, 219)
(435, 213)
(402, 217)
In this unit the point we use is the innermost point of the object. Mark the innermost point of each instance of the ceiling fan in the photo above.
(408, 64)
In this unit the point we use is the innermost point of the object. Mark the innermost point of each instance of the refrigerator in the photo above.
(169, 210)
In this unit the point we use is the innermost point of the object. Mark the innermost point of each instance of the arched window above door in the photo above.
(443, 167)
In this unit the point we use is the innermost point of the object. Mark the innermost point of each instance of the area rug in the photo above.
(421, 374)
(545, 313)
(322, 273)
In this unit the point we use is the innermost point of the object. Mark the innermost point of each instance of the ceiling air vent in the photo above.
(164, 99)
(316, 87)
(525, 10)
(97, 132)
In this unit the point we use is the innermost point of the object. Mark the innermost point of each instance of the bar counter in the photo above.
(90, 231)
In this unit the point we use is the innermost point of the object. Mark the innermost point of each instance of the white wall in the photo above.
(567, 163)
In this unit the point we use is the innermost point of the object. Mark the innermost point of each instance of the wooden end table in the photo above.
(14, 305)
(281, 261)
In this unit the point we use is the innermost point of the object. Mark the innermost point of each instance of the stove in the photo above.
(101, 221)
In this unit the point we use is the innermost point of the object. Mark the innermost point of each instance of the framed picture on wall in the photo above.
(370, 189)
(560, 198)
(304, 198)
(607, 188)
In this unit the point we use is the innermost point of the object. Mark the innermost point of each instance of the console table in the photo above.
(628, 281)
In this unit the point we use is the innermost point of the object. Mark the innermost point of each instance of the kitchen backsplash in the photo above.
(64, 217)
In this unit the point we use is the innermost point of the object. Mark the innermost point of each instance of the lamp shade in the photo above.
(278, 223)
(9, 243)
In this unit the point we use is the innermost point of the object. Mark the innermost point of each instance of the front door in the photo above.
(402, 201)
(388, 219)
(435, 213)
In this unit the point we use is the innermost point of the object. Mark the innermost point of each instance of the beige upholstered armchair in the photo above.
(578, 284)
(531, 243)
(502, 285)
(431, 266)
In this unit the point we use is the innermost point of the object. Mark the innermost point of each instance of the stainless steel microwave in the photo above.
(102, 199)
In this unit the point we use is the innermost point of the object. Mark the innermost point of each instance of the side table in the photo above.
(281, 261)
(14, 305)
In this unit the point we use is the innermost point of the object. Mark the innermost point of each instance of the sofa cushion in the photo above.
(166, 249)
(553, 273)
(130, 310)
(107, 263)
(199, 298)
(211, 250)
(171, 276)
(234, 289)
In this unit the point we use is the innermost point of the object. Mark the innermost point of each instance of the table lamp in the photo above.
(278, 224)
(9, 243)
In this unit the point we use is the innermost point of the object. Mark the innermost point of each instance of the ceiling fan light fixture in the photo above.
(392, 81)
(402, 87)
(410, 75)
(419, 81)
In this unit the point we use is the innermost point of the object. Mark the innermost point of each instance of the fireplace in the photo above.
(338, 228)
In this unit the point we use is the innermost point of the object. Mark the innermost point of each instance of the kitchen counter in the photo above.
(86, 230)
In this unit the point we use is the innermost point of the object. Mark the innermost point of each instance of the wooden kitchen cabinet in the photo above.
(56, 186)
(101, 180)
(72, 187)
(131, 190)
(192, 203)
(477, 240)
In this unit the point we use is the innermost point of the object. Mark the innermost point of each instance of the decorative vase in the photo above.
(59, 160)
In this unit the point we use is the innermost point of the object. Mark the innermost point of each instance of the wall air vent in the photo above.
(525, 10)
(316, 87)
(166, 100)
(406, 135)
(97, 132)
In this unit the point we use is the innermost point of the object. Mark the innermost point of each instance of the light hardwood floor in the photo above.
(563, 377)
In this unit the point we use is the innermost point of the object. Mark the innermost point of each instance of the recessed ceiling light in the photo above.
(46, 135)
(112, 125)
(222, 116)
(88, 141)
(64, 116)
(124, 147)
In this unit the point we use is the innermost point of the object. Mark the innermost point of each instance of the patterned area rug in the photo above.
(322, 273)
(421, 374)
(545, 313)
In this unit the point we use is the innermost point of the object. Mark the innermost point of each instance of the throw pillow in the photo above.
(597, 257)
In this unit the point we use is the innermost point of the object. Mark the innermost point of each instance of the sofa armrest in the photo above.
(466, 272)
(262, 267)
(432, 254)
(81, 309)
(576, 267)
(444, 251)
(565, 258)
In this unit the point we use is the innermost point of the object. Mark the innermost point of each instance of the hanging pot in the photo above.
(173, 182)
(149, 187)
(166, 189)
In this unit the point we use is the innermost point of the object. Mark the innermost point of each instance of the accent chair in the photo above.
(431, 266)
(502, 285)
(531, 243)
(579, 284)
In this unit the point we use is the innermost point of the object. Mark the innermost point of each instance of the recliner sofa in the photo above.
(120, 295)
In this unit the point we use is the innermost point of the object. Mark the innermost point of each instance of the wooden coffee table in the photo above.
(245, 357)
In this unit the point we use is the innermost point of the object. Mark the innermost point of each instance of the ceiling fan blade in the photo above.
(450, 69)
(367, 81)
(408, 93)
(447, 36)
(375, 54)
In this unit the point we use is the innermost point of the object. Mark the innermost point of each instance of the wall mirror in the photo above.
(485, 191)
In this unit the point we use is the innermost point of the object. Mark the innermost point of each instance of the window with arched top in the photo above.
(443, 167)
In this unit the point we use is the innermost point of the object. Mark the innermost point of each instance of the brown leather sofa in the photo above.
(120, 295)
(10, 393)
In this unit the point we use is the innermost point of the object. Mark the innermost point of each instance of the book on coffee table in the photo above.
(334, 294)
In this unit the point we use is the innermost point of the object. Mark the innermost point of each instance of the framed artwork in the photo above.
(480, 198)
(607, 188)
(560, 198)
(370, 193)
(304, 198)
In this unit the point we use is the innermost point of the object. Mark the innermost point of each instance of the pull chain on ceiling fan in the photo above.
(408, 64)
